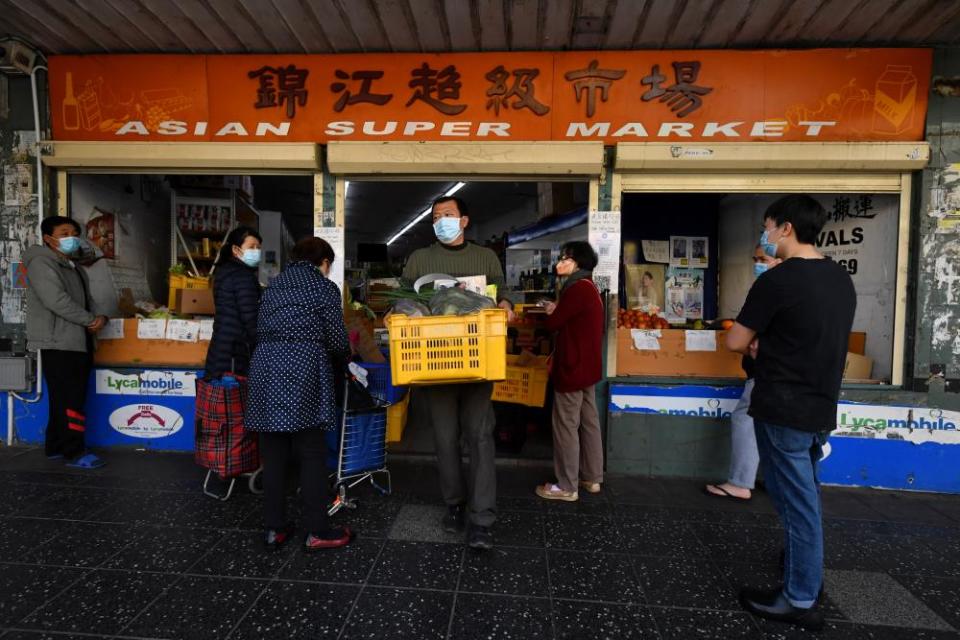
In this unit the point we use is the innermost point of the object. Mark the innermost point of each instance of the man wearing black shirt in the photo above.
(800, 314)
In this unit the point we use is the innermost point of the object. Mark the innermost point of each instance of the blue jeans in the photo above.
(790, 458)
(744, 457)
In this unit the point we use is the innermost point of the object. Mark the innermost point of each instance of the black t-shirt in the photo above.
(802, 312)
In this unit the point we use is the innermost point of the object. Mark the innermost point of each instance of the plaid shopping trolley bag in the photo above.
(223, 446)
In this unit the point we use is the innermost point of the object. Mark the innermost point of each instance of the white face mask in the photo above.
(251, 257)
(447, 229)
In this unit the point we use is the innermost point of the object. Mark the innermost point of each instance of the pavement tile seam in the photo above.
(360, 591)
(174, 583)
(85, 572)
(550, 597)
(75, 634)
(456, 593)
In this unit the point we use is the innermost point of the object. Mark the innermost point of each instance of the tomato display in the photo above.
(636, 319)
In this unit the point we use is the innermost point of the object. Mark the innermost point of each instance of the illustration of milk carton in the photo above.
(894, 104)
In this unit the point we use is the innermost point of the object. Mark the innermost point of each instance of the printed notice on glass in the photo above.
(113, 330)
(333, 235)
(701, 340)
(646, 339)
(604, 237)
(656, 251)
(149, 329)
(206, 330)
(690, 251)
(183, 330)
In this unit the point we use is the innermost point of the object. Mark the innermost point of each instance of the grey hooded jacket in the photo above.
(58, 302)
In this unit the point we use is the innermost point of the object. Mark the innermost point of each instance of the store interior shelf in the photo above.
(202, 234)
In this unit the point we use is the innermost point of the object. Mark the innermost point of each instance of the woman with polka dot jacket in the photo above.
(302, 345)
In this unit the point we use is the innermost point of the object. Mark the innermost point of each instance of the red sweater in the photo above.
(578, 321)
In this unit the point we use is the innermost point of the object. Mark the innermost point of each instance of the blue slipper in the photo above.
(87, 461)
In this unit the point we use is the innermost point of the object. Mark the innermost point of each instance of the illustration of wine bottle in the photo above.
(71, 109)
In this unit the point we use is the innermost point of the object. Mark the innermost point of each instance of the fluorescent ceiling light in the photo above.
(423, 214)
(452, 190)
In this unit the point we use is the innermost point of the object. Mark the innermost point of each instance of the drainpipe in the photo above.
(36, 129)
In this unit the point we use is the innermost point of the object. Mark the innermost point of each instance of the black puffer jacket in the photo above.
(236, 295)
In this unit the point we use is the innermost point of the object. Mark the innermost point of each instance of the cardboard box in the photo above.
(857, 367)
(857, 343)
(131, 351)
(673, 360)
(195, 302)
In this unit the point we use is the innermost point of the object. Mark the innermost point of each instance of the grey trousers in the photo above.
(466, 410)
(577, 443)
(744, 457)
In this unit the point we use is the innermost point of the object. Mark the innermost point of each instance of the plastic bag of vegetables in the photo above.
(410, 307)
(458, 302)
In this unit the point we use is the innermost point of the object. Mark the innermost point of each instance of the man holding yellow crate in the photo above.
(466, 409)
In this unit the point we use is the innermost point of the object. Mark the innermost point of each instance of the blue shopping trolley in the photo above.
(358, 450)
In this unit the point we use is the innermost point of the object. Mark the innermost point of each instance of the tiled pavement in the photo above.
(136, 551)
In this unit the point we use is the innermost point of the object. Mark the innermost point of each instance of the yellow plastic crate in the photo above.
(448, 349)
(397, 419)
(184, 282)
(524, 384)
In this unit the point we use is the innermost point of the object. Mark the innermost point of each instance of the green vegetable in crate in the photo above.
(458, 302)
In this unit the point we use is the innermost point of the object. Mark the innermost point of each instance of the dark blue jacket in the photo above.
(302, 346)
(236, 296)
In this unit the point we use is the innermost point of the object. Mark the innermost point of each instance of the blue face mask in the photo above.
(69, 245)
(769, 248)
(447, 229)
(251, 257)
(759, 268)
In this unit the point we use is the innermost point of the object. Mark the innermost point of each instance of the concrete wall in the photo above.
(936, 257)
(18, 222)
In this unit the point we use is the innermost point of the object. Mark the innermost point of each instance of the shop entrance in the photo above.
(523, 222)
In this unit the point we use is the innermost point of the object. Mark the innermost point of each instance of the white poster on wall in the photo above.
(604, 237)
(334, 235)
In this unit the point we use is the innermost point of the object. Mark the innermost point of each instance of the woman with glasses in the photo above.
(577, 320)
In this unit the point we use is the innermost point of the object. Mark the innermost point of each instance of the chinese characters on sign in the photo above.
(862, 208)
(279, 86)
(439, 88)
(683, 97)
(364, 94)
(522, 89)
(444, 83)
(587, 82)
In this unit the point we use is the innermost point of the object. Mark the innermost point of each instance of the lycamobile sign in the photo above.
(147, 383)
(882, 422)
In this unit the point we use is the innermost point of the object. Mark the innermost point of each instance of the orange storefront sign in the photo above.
(816, 95)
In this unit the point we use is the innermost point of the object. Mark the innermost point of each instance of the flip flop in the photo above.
(724, 493)
(86, 461)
